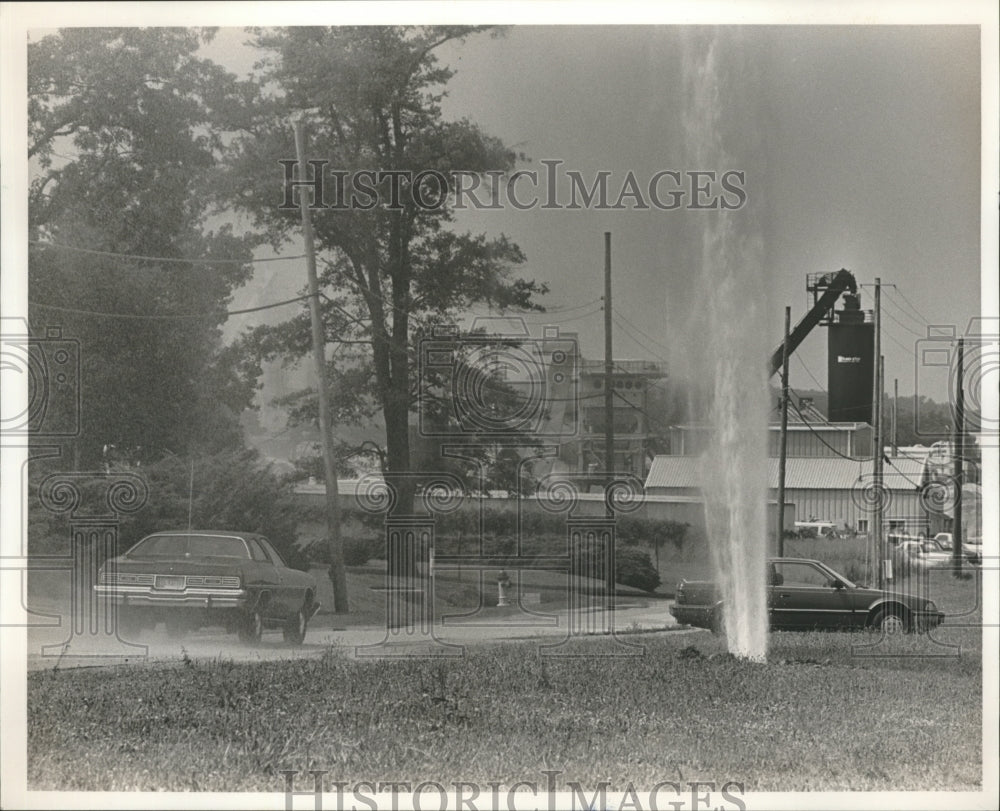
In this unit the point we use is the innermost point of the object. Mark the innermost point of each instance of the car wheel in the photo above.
(891, 622)
(295, 627)
(252, 627)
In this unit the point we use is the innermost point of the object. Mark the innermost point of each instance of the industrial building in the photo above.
(632, 433)
(829, 474)
(820, 484)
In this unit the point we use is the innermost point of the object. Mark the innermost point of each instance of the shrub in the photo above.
(634, 568)
(231, 490)
(357, 551)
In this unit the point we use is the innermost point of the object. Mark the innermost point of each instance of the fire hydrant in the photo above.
(502, 582)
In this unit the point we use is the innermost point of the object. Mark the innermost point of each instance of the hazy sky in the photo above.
(861, 147)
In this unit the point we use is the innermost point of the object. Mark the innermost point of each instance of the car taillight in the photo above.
(102, 576)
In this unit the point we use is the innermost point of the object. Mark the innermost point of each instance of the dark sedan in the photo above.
(805, 595)
(194, 578)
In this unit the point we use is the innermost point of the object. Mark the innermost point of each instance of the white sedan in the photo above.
(972, 547)
(923, 554)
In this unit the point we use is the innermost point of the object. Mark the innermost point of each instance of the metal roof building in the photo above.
(827, 488)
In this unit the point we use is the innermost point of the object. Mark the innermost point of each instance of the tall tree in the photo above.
(392, 269)
(121, 133)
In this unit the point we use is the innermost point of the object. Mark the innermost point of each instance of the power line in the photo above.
(555, 310)
(649, 381)
(900, 472)
(924, 319)
(900, 344)
(640, 409)
(159, 316)
(802, 363)
(638, 341)
(908, 329)
(566, 309)
(820, 438)
(62, 247)
(916, 315)
(903, 311)
(561, 321)
(910, 456)
(641, 331)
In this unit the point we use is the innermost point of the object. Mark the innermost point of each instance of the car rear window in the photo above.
(189, 546)
(215, 546)
(159, 546)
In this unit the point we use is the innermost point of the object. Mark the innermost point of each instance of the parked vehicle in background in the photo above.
(972, 547)
(196, 578)
(944, 539)
(911, 556)
(805, 595)
(817, 529)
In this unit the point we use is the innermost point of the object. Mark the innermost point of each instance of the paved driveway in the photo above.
(63, 643)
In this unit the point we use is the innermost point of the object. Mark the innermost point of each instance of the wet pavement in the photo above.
(89, 644)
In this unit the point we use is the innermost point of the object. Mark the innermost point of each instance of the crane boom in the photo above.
(836, 284)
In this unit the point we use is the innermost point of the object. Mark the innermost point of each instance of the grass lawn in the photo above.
(815, 717)
(455, 591)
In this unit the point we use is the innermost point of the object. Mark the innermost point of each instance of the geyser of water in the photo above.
(729, 334)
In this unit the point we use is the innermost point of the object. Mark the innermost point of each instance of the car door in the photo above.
(291, 591)
(804, 597)
(269, 579)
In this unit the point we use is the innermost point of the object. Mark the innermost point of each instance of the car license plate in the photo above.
(169, 582)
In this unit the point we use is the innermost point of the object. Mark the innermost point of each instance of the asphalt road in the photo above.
(55, 638)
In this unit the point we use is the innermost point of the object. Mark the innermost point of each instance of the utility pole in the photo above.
(959, 448)
(338, 575)
(877, 441)
(609, 423)
(609, 403)
(784, 434)
(895, 399)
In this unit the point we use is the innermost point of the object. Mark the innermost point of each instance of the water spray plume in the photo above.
(732, 348)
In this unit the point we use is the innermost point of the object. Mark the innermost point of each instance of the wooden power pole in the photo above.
(784, 435)
(609, 413)
(895, 425)
(877, 443)
(958, 443)
(338, 574)
(609, 403)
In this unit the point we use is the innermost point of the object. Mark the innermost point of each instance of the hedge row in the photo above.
(633, 567)
(630, 530)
